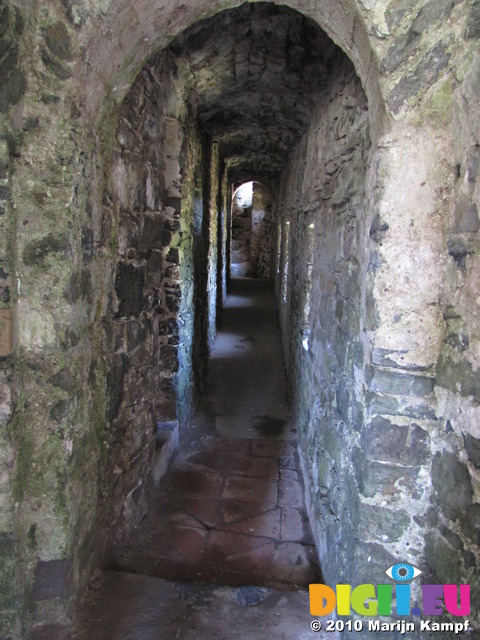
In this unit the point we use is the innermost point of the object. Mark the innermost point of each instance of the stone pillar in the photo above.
(403, 326)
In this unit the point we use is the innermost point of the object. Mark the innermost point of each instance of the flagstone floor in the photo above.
(225, 550)
(231, 514)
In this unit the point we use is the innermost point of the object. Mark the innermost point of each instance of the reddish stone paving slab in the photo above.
(289, 474)
(197, 482)
(213, 460)
(290, 494)
(260, 490)
(272, 448)
(182, 543)
(260, 467)
(196, 511)
(231, 514)
(294, 526)
(264, 524)
(295, 563)
(239, 446)
(249, 555)
(233, 511)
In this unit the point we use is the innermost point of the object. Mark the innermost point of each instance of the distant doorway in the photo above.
(252, 231)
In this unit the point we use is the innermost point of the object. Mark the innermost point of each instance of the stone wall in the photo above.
(107, 210)
(159, 216)
(321, 281)
(147, 331)
(455, 539)
(382, 365)
(116, 273)
(13, 83)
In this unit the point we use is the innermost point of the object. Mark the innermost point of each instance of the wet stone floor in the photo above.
(225, 550)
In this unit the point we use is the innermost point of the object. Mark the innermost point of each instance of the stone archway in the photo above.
(252, 231)
(134, 32)
(410, 372)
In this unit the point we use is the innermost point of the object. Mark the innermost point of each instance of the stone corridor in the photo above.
(151, 151)
(230, 511)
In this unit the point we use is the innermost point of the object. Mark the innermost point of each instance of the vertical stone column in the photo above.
(408, 178)
(13, 85)
(213, 246)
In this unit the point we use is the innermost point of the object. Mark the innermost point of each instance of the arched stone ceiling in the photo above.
(123, 34)
(254, 75)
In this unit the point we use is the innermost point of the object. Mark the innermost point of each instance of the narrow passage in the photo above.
(228, 524)
(246, 388)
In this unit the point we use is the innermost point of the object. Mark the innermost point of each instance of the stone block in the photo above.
(335, 445)
(397, 10)
(459, 248)
(401, 50)
(6, 339)
(473, 158)
(378, 229)
(382, 525)
(173, 256)
(129, 287)
(470, 523)
(115, 383)
(381, 478)
(443, 558)
(173, 303)
(8, 550)
(473, 28)
(137, 333)
(395, 359)
(13, 87)
(431, 14)
(52, 63)
(369, 564)
(452, 484)
(466, 217)
(35, 252)
(472, 447)
(87, 244)
(391, 406)
(168, 327)
(401, 384)
(451, 537)
(384, 441)
(60, 410)
(154, 269)
(80, 287)
(52, 579)
(169, 358)
(152, 230)
(458, 341)
(172, 225)
(58, 41)
(418, 449)
(421, 78)
(458, 376)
